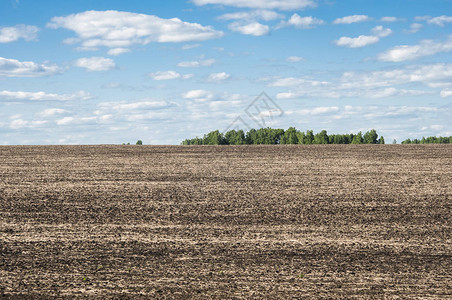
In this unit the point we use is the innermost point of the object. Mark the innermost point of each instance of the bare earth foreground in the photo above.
(364, 221)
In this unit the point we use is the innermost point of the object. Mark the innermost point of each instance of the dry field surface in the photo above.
(333, 221)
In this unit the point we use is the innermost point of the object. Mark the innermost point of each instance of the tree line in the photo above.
(429, 140)
(270, 136)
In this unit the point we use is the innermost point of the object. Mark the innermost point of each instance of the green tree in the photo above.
(321, 137)
(406, 142)
(301, 137)
(251, 137)
(213, 138)
(309, 137)
(394, 142)
(290, 136)
(358, 139)
(381, 141)
(139, 142)
(371, 137)
(233, 137)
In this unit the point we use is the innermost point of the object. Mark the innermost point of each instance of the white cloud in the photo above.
(338, 92)
(424, 48)
(197, 63)
(262, 4)
(415, 27)
(301, 22)
(300, 82)
(440, 21)
(12, 34)
(391, 91)
(42, 96)
(79, 120)
(446, 93)
(255, 28)
(19, 123)
(190, 46)
(198, 94)
(153, 104)
(266, 15)
(165, 75)
(49, 112)
(433, 127)
(352, 19)
(381, 32)
(217, 77)
(321, 110)
(121, 30)
(94, 64)
(15, 68)
(65, 121)
(360, 41)
(407, 81)
(294, 59)
(422, 18)
(118, 51)
(431, 75)
(364, 40)
(389, 19)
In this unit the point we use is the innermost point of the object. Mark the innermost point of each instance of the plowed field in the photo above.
(364, 221)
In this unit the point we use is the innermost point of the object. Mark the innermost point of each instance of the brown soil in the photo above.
(364, 221)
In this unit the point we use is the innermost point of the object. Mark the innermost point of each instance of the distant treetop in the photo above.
(270, 136)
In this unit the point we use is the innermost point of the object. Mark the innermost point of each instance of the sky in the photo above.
(114, 71)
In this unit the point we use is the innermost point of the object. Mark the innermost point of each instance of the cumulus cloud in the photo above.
(293, 81)
(218, 77)
(121, 30)
(380, 31)
(94, 64)
(407, 81)
(74, 120)
(301, 22)
(12, 34)
(389, 19)
(261, 4)
(364, 40)
(140, 105)
(446, 93)
(190, 46)
(321, 110)
(255, 28)
(16, 68)
(20, 123)
(294, 59)
(432, 75)
(42, 96)
(424, 48)
(266, 15)
(197, 63)
(198, 94)
(440, 21)
(117, 51)
(50, 112)
(352, 19)
(360, 41)
(415, 27)
(165, 75)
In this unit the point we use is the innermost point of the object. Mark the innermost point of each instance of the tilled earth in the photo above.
(333, 221)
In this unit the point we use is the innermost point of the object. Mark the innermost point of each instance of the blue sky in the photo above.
(108, 72)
